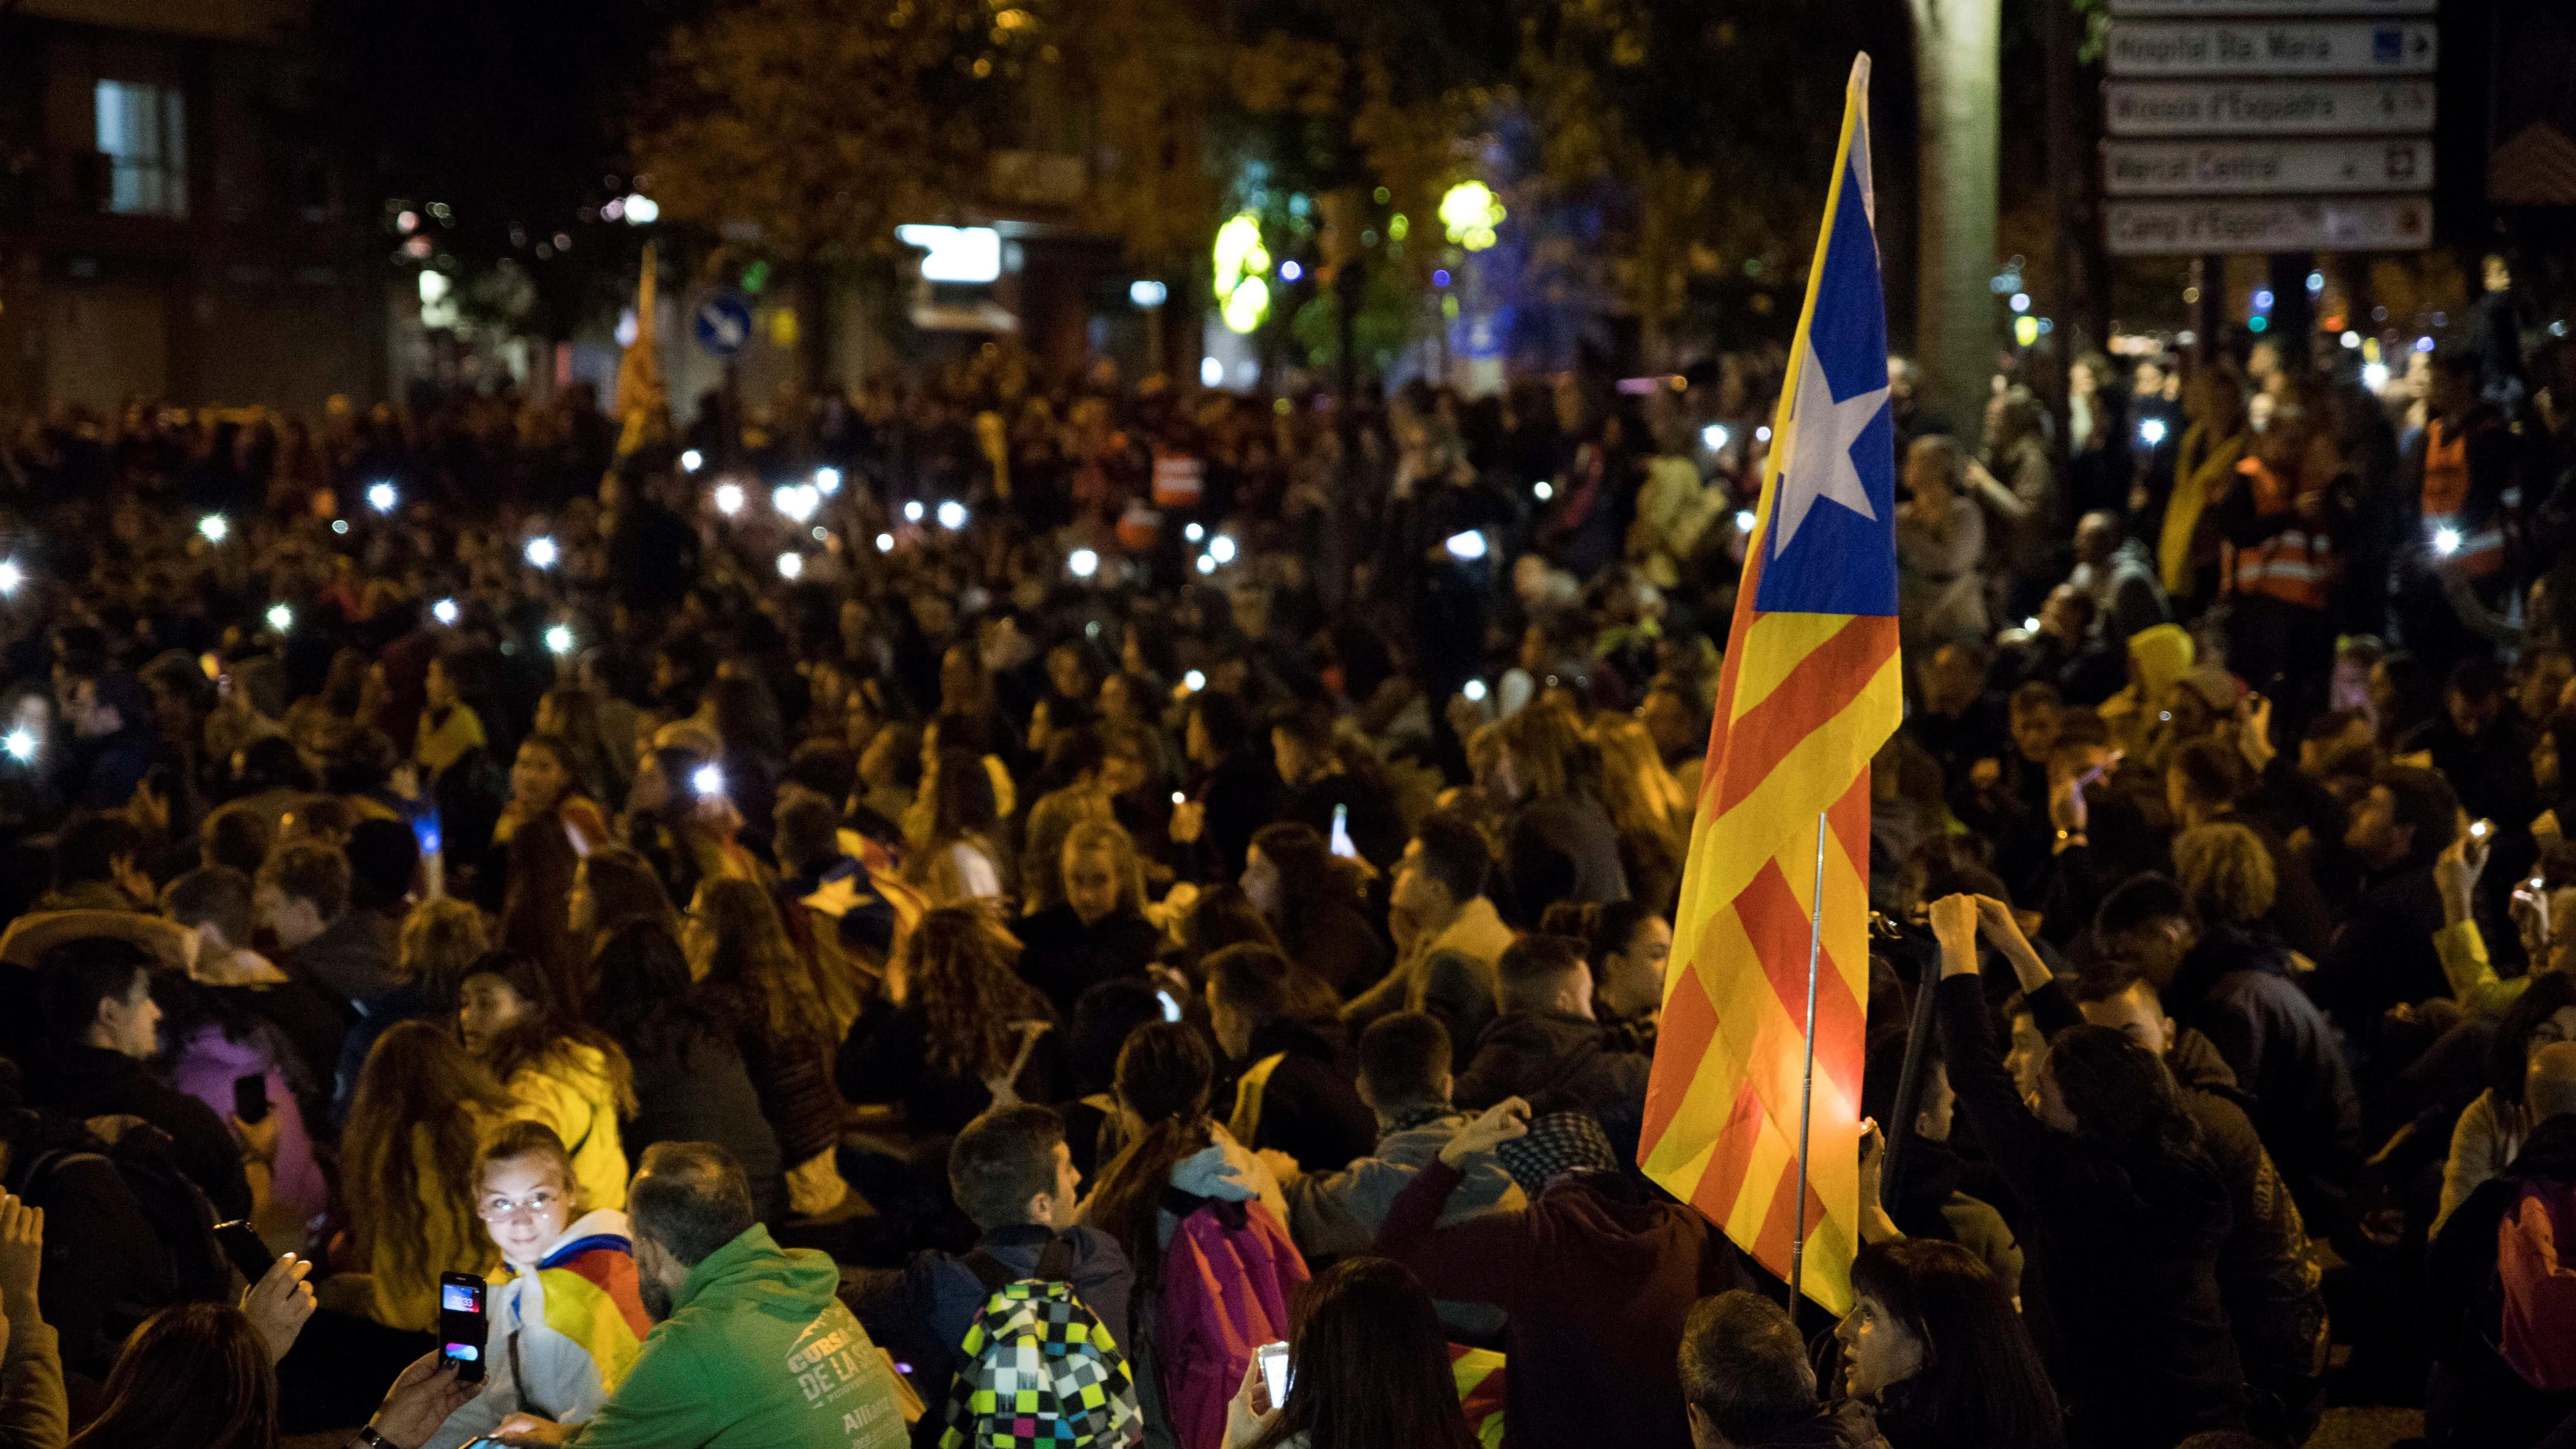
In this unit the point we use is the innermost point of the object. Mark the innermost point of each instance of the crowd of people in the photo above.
(965, 913)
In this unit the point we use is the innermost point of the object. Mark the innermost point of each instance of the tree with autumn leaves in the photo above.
(1688, 136)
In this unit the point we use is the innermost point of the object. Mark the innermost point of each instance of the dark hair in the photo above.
(963, 966)
(1226, 719)
(2121, 1094)
(87, 848)
(1403, 1058)
(2424, 800)
(238, 838)
(639, 989)
(825, 767)
(1532, 966)
(272, 763)
(1454, 853)
(1251, 979)
(2509, 1050)
(807, 828)
(1103, 1016)
(212, 894)
(1981, 1381)
(2140, 902)
(74, 977)
(197, 1374)
(1744, 1366)
(1001, 1160)
(746, 719)
(2212, 770)
(961, 801)
(691, 1198)
(382, 855)
(1164, 1074)
(2036, 693)
(624, 888)
(305, 870)
(1224, 916)
(1311, 877)
(1372, 1365)
(1604, 927)
(2476, 680)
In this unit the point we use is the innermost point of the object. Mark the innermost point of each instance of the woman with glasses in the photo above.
(568, 1323)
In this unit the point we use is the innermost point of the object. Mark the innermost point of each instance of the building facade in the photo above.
(176, 226)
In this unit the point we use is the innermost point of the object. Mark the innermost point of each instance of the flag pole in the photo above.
(1807, 1087)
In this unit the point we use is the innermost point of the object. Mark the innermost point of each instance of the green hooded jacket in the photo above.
(758, 1353)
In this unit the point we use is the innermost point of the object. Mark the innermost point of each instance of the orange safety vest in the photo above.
(2480, 551)
(2293, 565)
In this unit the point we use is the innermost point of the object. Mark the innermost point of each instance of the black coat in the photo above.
(886, 1059)
(1564, 849)
(1534, 1054)
(2120, 1256)
(1308, 1105)
(1064, 958)
(81, 1082)
(2269, 1275)
(2235, 989)
(696, 1089)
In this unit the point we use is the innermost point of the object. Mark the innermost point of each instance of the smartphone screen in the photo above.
(1171, 1006)
(462, 1325)
(1275, 1376)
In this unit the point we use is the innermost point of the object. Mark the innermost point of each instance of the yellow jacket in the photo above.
(571, 1093)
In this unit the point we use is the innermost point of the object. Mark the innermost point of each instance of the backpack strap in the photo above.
(1247, 1098)
(989, 1271)
(1055, 1265)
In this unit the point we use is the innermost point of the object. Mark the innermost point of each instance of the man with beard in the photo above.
(750, 1345)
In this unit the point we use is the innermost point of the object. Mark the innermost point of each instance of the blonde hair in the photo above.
(2227, 872)
(440, 939)
(1112, 837)
(1548, 751)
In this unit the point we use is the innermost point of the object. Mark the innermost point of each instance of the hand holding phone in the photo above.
(1275, 1375)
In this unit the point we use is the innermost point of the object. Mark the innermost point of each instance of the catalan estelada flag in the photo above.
(1810, 688)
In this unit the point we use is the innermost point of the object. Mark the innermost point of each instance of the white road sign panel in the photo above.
(2295, 224)
(2271, 47)
(2273, 7)
(2265, 168)
(2274, 107)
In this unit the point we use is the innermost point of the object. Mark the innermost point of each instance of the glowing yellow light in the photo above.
(1397, 226)
(1470, 211)
(1236, 241)
(2025, 329)
(1247, 304)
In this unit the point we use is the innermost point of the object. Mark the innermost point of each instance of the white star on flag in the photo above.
(1819, 464)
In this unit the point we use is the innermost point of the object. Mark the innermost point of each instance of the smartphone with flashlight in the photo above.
(1341, 840)
(464, 1324)
(1275, 1373)
(2479, 830)
(1171, 1005)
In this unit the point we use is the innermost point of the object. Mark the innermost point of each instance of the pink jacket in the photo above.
(207, 1064)
(1225, 1293)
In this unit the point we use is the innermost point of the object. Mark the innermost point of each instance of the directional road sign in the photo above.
(2266, 167)
(2272, 7)
(722, 322)
(2271, 47)
(2287, 224)
(2268, 107)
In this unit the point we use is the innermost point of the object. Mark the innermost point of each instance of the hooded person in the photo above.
(2158, 659)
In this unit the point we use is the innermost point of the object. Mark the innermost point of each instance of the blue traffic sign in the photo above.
(723, 323)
